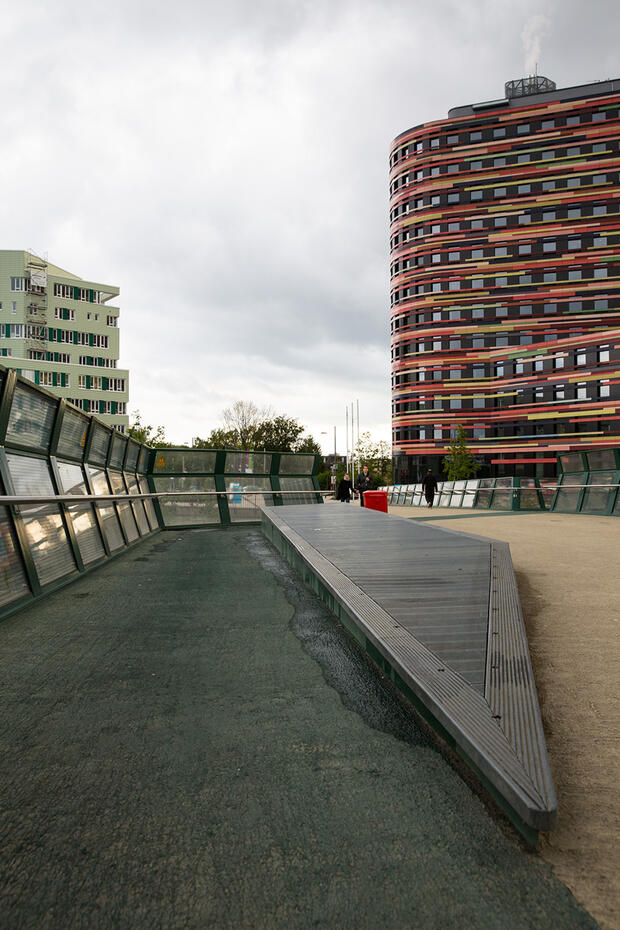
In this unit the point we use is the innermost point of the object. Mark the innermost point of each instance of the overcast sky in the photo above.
(226, 165)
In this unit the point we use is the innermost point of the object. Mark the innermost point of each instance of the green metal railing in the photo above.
(74, 492)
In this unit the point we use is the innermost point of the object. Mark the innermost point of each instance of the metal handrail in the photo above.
(94, 498)
(543, 487)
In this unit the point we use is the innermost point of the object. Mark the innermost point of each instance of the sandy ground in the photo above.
(568, 572)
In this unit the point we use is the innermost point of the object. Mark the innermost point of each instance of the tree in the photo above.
(283, 434)
(147, 435)
(243, 418)
(217, 439)
(378, 457)
(459, 463)
(308, 444)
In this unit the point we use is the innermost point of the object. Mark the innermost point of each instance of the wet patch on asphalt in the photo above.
(363, 689)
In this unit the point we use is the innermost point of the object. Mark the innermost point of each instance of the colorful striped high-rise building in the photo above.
(505, 309)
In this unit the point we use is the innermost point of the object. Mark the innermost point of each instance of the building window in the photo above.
(18, 284)
(573, 182)
(501, 221)
(524, 218)
(548, 215)
(524, 188)
(523, 129)
(559, 392)
(547, 124)
(600, 272)
(499, 132)
(580, 357)
(523, 157)
(452, 140)
(453, 198)
(574, 274)
(572, 120)
(525, 249)
(476, 195)
(525, 310)
(582, 391)
(603, 389)
(499, 162)
(475, 137)
(550, 276)
(547, 156)
(477, 224)
(559, 361)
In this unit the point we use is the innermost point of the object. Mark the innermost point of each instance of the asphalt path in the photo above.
(189, 740)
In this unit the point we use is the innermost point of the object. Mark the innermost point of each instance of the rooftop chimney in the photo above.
(523, 87)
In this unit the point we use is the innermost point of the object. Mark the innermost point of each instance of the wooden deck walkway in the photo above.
(439, 611)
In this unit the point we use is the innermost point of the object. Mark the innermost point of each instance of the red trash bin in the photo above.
(376, 500)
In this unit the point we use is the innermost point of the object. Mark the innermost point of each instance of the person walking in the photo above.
(363, 483)
(429, 485)
(345, 489)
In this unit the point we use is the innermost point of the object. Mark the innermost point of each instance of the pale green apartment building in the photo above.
(61, 332)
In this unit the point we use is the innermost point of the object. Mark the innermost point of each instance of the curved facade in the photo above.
(505, 310)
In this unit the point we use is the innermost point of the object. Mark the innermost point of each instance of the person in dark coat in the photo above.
(429, 484)
(345, 490)
(363, 483)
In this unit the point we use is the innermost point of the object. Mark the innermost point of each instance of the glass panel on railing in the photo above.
(31, 418)
(600, 459)
(128, 520)
(528, 496)
(567, 498)
(247, 463)
(572, 461)
(247, 494)
(13, 584)
(187, 511)
(143, 459)
(99, 445)
(119, 444)
(457, 493)
(138, 506)
(111, 526)
(502, 495)
(547, 490)
(485, 487)
(148, 503)
(183, 461)
(470, 492)
(418, 496)
(298, 484)
(43, 523)
(296, 464)
(445, 493)
(73, 434)
(598, 499)
(131, 458)
(82, 515)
